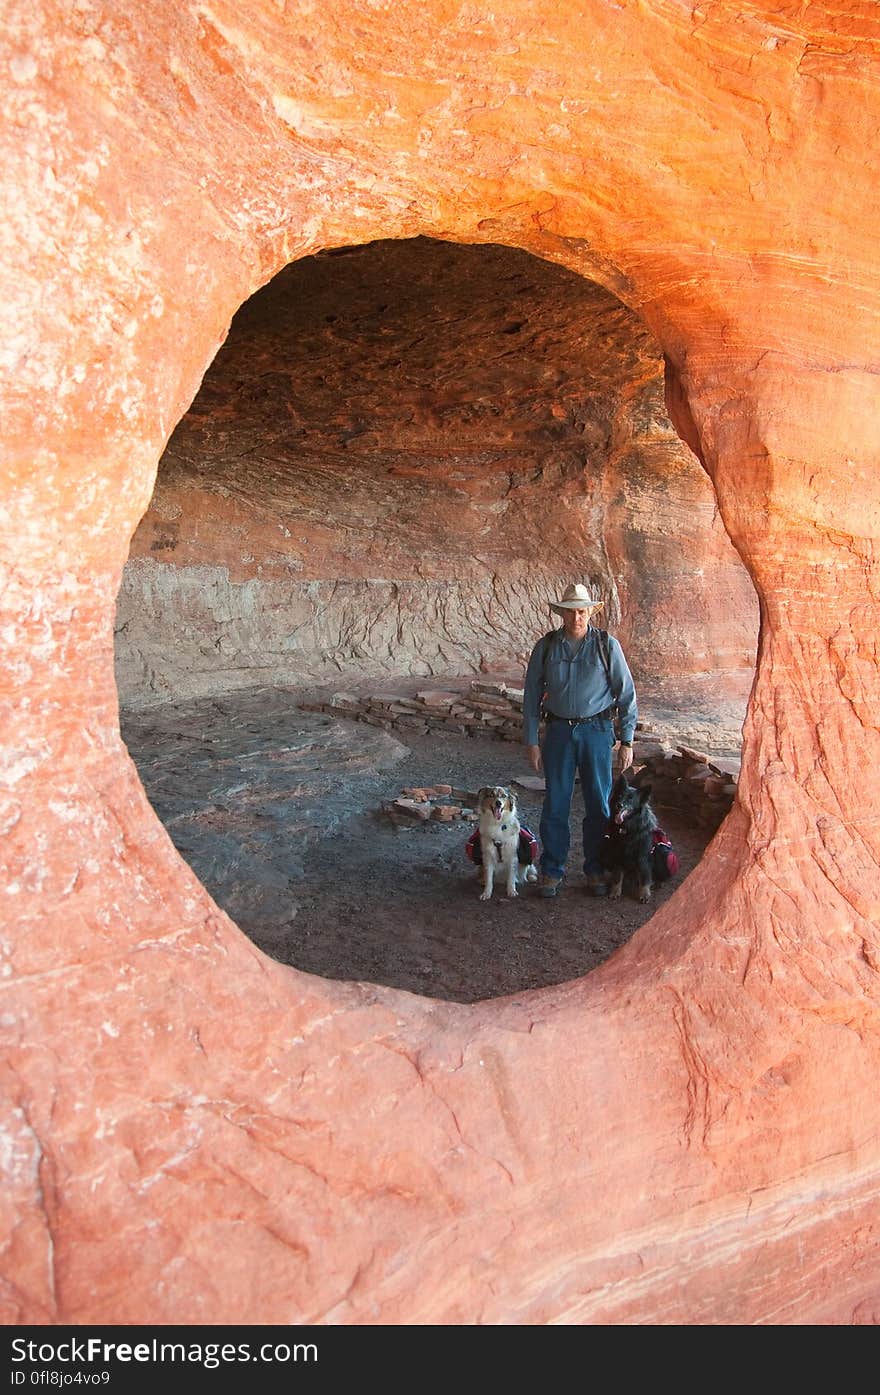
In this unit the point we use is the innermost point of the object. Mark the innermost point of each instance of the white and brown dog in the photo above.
(500, 841)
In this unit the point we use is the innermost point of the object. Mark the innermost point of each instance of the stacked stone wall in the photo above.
(699, 785)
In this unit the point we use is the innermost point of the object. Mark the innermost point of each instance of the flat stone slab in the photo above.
(530, 782)
(436, 697)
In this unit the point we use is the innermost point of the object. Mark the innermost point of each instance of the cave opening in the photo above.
(401, 451)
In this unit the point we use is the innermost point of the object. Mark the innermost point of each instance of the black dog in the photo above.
(628, 844)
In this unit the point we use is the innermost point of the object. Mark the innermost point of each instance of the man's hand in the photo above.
(533, 756)
(624, 756)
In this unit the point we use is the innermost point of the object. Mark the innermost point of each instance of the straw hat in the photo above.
(575, 597)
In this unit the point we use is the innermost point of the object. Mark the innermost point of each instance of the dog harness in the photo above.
(527, 852)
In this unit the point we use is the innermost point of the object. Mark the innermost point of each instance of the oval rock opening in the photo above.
(400, 453)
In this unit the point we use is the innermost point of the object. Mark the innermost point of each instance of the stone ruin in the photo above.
(700, 788)
(194, 1133)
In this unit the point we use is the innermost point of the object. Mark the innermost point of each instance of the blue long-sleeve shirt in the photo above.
(576, 683)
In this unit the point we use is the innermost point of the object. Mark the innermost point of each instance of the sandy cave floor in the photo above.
(406, 909)
(279, 813)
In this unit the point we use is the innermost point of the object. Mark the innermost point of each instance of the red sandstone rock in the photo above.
(370, 473)
(698, 757)
(650, 750)
(714, 785)
(729, 767)
(695, 774)
(689, 1135)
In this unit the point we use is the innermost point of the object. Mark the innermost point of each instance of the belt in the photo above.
(576, 721)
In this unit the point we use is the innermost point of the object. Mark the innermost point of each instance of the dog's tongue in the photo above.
(620, 817)
(498, 808)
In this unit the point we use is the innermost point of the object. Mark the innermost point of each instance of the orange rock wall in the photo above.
(400, 452)
(194, 1133)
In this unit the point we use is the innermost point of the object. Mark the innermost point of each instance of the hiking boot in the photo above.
(548, 885)
(596, 885)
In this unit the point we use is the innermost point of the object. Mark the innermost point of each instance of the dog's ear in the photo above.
(485, 792)
(645, 794)
(621, 784)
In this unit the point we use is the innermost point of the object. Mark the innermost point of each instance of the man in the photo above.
(568, 672)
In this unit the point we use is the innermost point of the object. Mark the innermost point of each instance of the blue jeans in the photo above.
(587, 749)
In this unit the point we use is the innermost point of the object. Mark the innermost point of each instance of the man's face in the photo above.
(576, 623)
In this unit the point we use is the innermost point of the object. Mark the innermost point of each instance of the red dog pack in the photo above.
(664, 858)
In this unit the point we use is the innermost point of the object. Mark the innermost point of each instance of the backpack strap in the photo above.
(546, 641)
(604, 655)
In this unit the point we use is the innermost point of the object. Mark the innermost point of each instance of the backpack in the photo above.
(664, 858)
(604, 655)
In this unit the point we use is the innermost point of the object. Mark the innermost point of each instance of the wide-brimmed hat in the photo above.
(575, 597)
